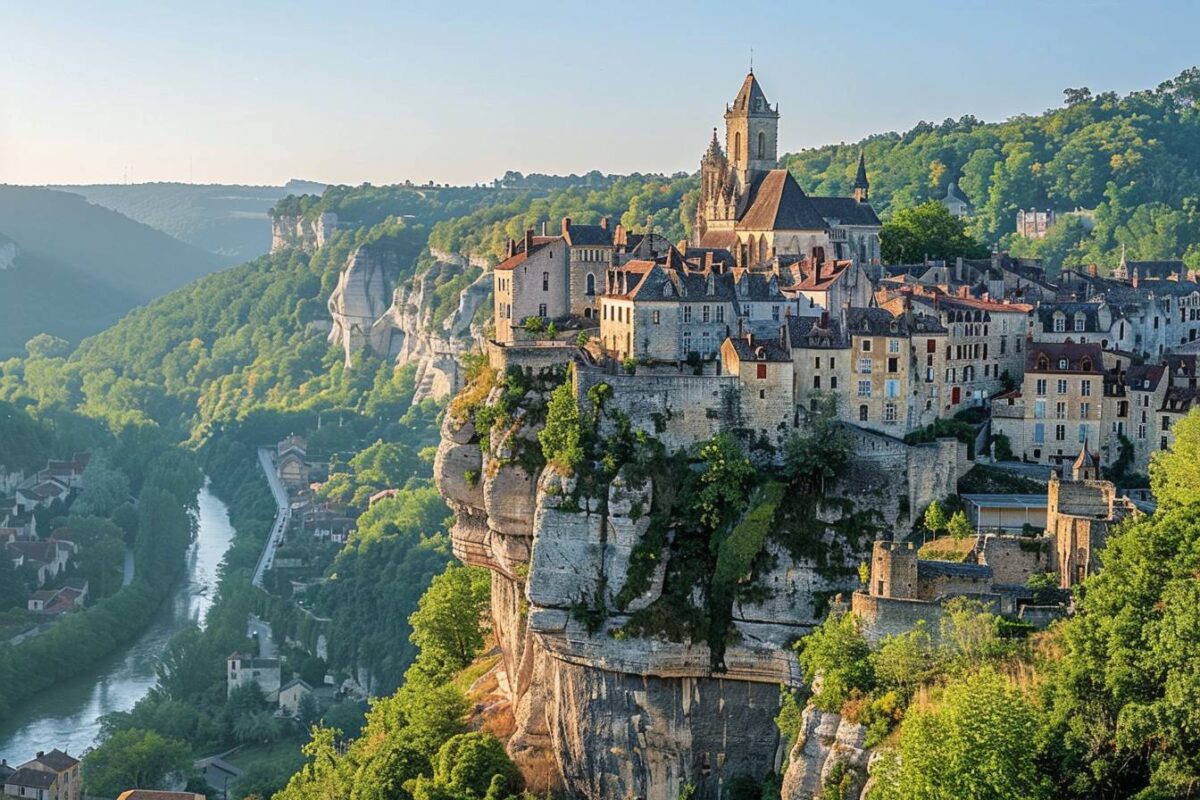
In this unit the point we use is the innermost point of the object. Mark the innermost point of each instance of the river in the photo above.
(67, 716)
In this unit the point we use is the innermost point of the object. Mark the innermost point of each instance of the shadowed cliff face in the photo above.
(611, 709)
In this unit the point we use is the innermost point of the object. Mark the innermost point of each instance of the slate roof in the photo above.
(1156, 269)
(846, 210)
(1045, 314)
(807, 332)
(874, 322)
(1179, 399)
(32, 778)
(750, 92)
(1144, 377)
(777, 203)
(587, 235)
(750, 348)
(814, 277)
(1074, 352)
(757, 286)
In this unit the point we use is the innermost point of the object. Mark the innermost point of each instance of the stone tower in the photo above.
(751, 132)
(862, 186)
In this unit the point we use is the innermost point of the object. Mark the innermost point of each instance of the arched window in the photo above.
(1043, 363)
(590, 284)
(737, 146)
(762, 144)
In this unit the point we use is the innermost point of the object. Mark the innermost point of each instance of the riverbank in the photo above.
(67, 715)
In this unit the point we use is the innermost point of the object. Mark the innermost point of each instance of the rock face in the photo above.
(605, 713)
(308, 234)
(829, 750)
(373, 309)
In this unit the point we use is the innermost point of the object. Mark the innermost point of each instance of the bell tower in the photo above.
(751, 132)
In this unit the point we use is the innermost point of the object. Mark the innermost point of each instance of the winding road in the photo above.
(283, 515)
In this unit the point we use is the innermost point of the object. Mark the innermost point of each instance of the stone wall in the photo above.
(889, 616)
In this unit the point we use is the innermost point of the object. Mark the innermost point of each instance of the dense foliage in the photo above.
(1130, 161)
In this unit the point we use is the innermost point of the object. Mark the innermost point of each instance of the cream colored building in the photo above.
(532, 281)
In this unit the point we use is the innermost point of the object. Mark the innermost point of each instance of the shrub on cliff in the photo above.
(840, 655)
(562, 436)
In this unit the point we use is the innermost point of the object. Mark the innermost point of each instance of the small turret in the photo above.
(1086, 466)
(862, 186)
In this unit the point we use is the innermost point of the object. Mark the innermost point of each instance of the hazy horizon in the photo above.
(376, 93)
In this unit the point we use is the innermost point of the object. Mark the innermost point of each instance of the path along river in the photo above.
(67, 716)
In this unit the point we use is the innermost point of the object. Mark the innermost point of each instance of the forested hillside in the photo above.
(1134, 161)
(231, 221)
(69, 268)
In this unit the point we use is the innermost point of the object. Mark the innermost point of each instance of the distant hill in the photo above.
(231, 221)
(71, 268)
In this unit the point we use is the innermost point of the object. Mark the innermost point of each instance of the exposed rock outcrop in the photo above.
(301, 231)
(829, 751)
(606, 711)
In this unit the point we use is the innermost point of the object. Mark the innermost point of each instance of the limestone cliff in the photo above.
(376, 308)
(301, 231)
(614, 696)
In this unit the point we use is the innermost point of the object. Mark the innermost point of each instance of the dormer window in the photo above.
(1085, 364)
(1043, 362)
(1063, 363)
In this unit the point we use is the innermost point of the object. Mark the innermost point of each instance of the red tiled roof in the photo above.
(778, 203)
(514, 261)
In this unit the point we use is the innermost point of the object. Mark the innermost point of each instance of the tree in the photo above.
(1175, 473)
(389, 768)
(448, 624)
(821, 450)
(959, 527)
(836, 660)
(935, 518)
(133, 759)
(927, 230)
(46, 346)
(105, 487)
(978, 741)
(470, 766)
(562, 435)
(905, 660)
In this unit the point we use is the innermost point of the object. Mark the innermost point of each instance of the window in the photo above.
(1039, 409)
(889, 412)
(816, 381)
(891, 388)
(762, 372)
(893, 345)
(545, 281)
(1062, 386)
(704, 314)
(1085, 410)
(866, 345)
(687, 341)
(654, 316)
(1166, 423)
(817, 363)
(590, 285)
(762, 144)
(1063, 364)
(1060, 324)
(1141, 434)
(1039, 433)
(1085, 388)
(1040, 386)
(833, 382)
(1162, 443)
(864, 388)
(1060, 410)
(893, 365)
(1060, 433)
(720, 313)
(1083, 432)
(541, 309)
(930, 345)
(775, 313)
(862, 413)
(864, 366)
(687, 313)
(1079, 323)
(832, 362)
(737, 146)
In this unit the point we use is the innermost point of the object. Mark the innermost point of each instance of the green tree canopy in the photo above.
(928, 230)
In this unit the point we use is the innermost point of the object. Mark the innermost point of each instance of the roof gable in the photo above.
(777, 203)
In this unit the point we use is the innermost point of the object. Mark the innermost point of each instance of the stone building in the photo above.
(757, 211)
(764, 371)
(1060, 405)
(244, 669)
(1034, 224)
(532, 281)
(591, 250)
(1080, 512)
(954, 202)
(50, 776)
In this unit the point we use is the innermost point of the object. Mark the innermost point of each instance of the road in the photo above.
(282, 515)
(259, 626)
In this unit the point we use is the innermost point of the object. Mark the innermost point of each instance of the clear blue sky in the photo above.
(259, 92)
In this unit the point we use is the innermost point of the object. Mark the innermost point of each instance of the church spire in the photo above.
(862, 186)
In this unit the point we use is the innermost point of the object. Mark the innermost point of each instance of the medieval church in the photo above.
(757, 211)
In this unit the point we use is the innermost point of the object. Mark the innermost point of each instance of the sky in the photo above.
(259, 92)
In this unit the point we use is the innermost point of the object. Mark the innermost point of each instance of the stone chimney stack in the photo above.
(566, 225)
(604, 223)
(1093, 270)
(528, 239)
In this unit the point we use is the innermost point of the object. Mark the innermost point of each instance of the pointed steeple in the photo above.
(751, 98)
(1086, 466)
(714, 146)
(862, 186)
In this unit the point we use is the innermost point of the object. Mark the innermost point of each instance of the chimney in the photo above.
(543, 227)
(604, 223)
(824, 319)
(510, 249)
(528, 239)
(566, 224)
(41, 753)
(816, 270)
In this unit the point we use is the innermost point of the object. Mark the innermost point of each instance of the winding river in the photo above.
(67, 716)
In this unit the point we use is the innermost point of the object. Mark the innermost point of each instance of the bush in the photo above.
(840, 655)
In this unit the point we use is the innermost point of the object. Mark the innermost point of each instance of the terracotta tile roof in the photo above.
(777, 203)
(514, 261)
(813, 277)
(722, 240)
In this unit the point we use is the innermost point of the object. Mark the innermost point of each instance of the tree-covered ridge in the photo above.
(1133, 160)
(666, 204)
